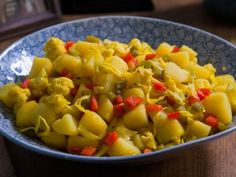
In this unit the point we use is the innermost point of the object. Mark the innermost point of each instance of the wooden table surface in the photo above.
(215, 159)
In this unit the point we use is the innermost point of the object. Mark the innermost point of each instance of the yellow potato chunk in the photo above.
(123, 147)
(136, 118)
(191, 52)
(218, 105)
(4, 92)
(55, 140)
(25, 114)
(80, 141)
(66, 126)
(164, 49)
(180, 58)
(105, 108)
(68, 62)
(200, 72)
(167, 130)
(231, 93)
(38, 65)
(118, 63)
(94, 124)
(134, 92)
(198, 129)
(176, 73)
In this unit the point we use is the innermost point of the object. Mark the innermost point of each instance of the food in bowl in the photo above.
(106, 98)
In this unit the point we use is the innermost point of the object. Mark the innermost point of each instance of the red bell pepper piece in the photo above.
(25, 84)
(66, 73)
(119, 110)
(118, 99)
(147, 150)
(74, 91)
(111, 138)
(173, 115)
(74, 149)
(192, 99)
(68, 44)
(130, 58)
(89, 86)
(175, 49)
(203, 93)
(159, 86)
(150, 56)
(93, 104)
(132, 102)
(154, 107)
(212, 121)
(88, 150)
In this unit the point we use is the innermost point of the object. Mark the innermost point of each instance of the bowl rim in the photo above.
(105, 160)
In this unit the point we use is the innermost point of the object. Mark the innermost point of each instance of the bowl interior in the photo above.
(15, 62)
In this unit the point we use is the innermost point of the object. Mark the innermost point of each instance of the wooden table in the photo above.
(215, 159)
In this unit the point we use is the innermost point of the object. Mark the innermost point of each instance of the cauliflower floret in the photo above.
(16, 97)
(38, 85)
(60, 85)
(56, 102)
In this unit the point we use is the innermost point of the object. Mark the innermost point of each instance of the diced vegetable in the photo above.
(164, 49)
(212, 121)
(105, 108)
(38, 65)
(159, 86)
(94, 104)
(180, 58)
(111, 138)
(175, 72)
(173, 115)
(198, 129)
(88, 150)
(154, 107)
(132, 102)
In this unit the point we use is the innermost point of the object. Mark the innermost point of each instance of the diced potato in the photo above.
(198, 129)
(38, 65)
(176, 73)
(105, 108)
(4, 92)
(167, 130)
(134, 92)
(55, 140)
(54, 48)
(200, 72)
(87, 68)
(123, 147)
(82, 48)
(68, 62)
(191, 52)
(118, 63)
(180, 58)
(46, 112)
(93, 123)
(136, 139)
(231, 93)
(66, 126)
(136, 118)
(25, 114)
(218, 105)
(80, 141)
(164, 49)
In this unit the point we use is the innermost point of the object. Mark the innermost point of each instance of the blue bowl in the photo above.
(16, 60)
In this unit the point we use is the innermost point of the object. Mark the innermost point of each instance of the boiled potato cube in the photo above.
(200, 72)
(123, 147)
(134, 92)
(93, 123)
(231, 93)
(4, 92)
(218, 105)
(191, 52)
(136, 118)
(118, 63)
(68, 62)
(176, 73)
(25, 114)
(80, 141)
(180, 58)
(167, 130)
(54, 48)
(164, 49)
(38, 65)
(55, 140)
(198, 129)
(105, 108)
(66, 126)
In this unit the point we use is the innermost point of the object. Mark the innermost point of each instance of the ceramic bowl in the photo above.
(16, 60)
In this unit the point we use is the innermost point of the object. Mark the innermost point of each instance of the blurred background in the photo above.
(20, 17)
